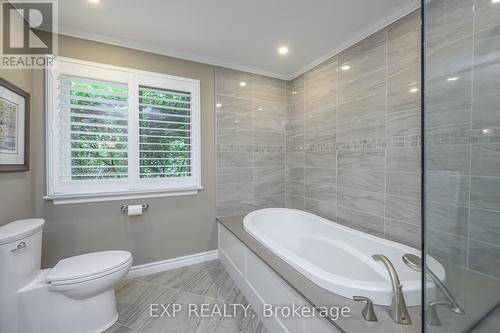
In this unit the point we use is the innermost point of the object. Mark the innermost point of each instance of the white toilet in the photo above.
(75, 296)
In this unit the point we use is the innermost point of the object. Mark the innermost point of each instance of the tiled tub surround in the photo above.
(462, 119)
(340, 143)
(251, 111)
(353, 135)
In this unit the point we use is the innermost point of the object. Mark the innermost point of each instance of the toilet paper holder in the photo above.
(124, 208)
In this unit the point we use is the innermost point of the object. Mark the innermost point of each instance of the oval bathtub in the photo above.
(336, 257)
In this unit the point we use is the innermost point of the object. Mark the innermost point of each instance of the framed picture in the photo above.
(14, 128)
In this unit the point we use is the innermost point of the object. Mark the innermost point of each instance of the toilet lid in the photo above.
(87, 265)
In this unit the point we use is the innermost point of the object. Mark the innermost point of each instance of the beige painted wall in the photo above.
(172, 226)
(16, 188)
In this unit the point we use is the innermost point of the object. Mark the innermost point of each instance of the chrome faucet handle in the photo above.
(367, 312)
(431, 314)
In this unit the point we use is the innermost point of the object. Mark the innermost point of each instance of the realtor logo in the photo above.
(29, 36)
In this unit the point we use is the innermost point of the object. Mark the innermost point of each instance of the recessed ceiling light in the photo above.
(260, 109)
(346, 67)
(218, 105)
(294, 92)
(243, 83)
(283, 50)
(495, 1)
(454, 78)
(487, 130)
(94, 1)
(413, 90)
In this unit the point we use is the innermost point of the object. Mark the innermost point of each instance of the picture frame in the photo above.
(14, 128)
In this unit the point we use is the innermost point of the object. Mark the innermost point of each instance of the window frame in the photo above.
(133, 187)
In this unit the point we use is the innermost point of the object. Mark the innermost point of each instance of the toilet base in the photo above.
(45, 311)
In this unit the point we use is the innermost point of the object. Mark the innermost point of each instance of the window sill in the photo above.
(67, 199)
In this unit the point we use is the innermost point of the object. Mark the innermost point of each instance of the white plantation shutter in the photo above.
(164, 133)
(92, 129)
(120, 133)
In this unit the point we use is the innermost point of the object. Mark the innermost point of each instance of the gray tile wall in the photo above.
(353, 135)
(342, 144)
(463, 133)
(250, 142)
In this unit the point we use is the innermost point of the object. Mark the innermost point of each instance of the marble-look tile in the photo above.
(448, 158)
(401, 93)
(367, 202)
(264, 160)
(269, 174)
(371, 84)
(234, 175)
(403, 159)
(441, 91)
(295, 188)
(405, 184)
(294, 128)
(485, 225)
(374, 105)
(268, 189)
(361, 221)
(295, 90)
(406, 233)
(403, 209)
(448, 117)
(447, 218)
(295, 202)
(447, 187)
(234, 191)
(364, 57)
(373, 181)
(403, 48)
(404, 123)
(228, 83)
(294, 174)
(373, 159)
(320, 159)
(320, 84)
(212, 282)
(235, 207)
(235, 136)
(296, 159)
(448, 20)
(322, 207)
(269, 124)
(175, 278)
(234, 111)
(367, 128)
(485, 192)
(319, 175)
(449, 59)
(446, 246)
(485, 159)
(487, 14)
(484, 258)
(276, 201)
(320, 126)
(485, 111)
(269, 89)
(234, 159)
(323, 192)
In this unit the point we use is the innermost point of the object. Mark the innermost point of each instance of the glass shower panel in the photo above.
(462, 163)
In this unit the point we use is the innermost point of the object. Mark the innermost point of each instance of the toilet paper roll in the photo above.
(134, 210)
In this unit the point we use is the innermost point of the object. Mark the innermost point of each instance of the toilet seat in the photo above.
(87, 267)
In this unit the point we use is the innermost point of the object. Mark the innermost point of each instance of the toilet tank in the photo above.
(20, 261)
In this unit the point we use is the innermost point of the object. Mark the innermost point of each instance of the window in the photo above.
(117, 133)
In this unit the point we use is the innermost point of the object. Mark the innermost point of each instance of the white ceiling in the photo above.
(233, 33)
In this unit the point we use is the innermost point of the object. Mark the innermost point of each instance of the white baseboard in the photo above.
(165, 265)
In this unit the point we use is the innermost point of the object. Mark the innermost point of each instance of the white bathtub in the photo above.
(336, 257)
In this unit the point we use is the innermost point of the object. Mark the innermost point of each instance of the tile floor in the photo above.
(206, 283)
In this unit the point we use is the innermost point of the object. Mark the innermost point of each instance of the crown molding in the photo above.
(403, 11)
